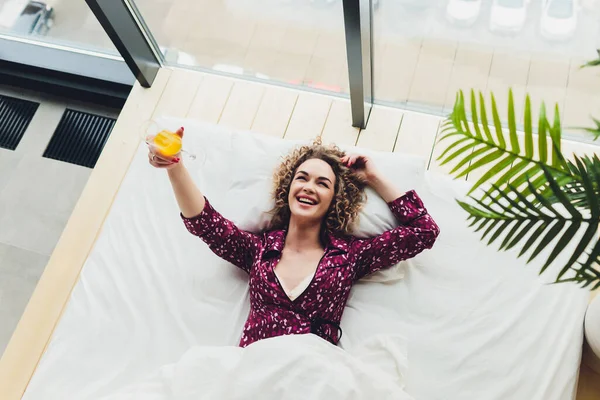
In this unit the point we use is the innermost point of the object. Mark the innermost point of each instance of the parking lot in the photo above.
(421, 56)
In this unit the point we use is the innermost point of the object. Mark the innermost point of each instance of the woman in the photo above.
(301, 270)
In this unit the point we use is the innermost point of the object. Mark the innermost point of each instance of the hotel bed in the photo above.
(154, 312)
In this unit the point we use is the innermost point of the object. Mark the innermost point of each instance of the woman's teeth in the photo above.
(306, 201)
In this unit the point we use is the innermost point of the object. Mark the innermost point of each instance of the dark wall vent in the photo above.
(79, 138)
(15, 116)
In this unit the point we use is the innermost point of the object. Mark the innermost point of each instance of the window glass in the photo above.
(425, 51)
(64, 22)
(294, 42)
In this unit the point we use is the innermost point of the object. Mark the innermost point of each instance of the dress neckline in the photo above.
(312, 277)
(296, 291)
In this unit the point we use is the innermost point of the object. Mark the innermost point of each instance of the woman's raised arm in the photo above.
(189, 198)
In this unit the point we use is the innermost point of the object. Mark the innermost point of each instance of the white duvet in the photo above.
(288, 367)
(156, 315)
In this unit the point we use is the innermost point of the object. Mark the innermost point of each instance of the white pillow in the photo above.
(243, 164)
(251, 187)
(257, 157)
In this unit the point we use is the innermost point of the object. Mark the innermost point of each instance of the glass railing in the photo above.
(298, 43)
(427, 50)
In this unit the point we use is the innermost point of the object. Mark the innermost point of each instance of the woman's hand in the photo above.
(362, 166)
(158, 160)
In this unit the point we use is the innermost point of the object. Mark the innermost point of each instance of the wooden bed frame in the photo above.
(235, 103)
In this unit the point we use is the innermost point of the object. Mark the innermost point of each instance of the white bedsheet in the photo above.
(478, 324)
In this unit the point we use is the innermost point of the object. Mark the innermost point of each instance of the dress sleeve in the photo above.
(417, 231)
(224, 238)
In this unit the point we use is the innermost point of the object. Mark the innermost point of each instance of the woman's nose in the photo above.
(308, 187)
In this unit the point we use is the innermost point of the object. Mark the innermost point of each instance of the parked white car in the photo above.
(463, 12)
(508, 16)
(559, 19)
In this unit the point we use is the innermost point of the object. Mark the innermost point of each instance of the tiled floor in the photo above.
(37, 196)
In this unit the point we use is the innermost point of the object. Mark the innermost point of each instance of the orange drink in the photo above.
(167, 143)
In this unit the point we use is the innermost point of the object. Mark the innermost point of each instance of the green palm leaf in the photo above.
(534, 237)
(593, 63)
(528, 129)
(475, 118)
(502, 156)
(542, 132)
(558, 161)
(575, 190)
(537, 199)
(476, 153)
(484, 119)
(553, 230)
(586, 276)
(497, 124)
(512, 124)
(512, 218)
(595, 130)
(519, 235)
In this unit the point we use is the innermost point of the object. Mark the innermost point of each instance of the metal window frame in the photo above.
(56, 69)
(130, 35)
(358, 24)
(57, 57)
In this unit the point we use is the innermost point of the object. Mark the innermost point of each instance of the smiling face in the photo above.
(315, 174)
(311, 191)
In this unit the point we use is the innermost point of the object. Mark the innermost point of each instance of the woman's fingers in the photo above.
(154, 162)
(163, 159)
(347, 160)
(160, 162)
(356, 160)
(179, 132)
(154, 150)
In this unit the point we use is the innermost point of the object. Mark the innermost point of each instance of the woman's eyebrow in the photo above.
(319, 178)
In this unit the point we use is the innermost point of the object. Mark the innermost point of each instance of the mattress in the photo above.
(478, 324)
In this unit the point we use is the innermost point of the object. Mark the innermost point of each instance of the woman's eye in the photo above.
(302, 178)
(323, 184)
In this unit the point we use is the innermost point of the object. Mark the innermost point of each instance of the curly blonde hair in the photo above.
(349, 195)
